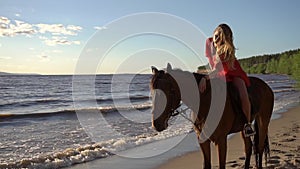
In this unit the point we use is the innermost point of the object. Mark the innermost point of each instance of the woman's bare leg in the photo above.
(246, 107)
(241, 86)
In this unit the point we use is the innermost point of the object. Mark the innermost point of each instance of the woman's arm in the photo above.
(218, 67)
(210, 51)
(210, 75)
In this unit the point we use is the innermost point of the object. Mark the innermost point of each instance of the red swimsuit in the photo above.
(225, 71)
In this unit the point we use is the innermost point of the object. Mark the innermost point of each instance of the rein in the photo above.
(181, 112)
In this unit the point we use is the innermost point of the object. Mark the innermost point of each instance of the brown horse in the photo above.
(169, 88)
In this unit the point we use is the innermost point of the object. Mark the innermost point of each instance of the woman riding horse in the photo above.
(172, 86)
(220, 51)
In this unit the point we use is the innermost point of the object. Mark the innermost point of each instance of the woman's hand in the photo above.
(202, 85)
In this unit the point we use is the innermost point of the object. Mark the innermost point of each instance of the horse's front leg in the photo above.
(222, 150)
(248, 149)
(205, 148)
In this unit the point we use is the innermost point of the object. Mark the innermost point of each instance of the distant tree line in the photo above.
(281, 63)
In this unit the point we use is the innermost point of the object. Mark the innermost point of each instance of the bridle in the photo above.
(175, 109)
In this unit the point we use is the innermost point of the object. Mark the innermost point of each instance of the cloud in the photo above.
(7, 28)
(4, 20)
(74, 27)
(44, 58)
(58, 29)
(59, 32)
(57, 40)
(57, 51)
(100, 27)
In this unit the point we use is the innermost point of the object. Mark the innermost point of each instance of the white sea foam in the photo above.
(87, 153)
(65, 158)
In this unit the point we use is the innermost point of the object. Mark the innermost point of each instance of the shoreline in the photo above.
(284, 138)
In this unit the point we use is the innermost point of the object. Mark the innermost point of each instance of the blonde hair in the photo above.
(227, 47)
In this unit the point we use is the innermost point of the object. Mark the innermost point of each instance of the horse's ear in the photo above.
(154, 70)
(169, 67)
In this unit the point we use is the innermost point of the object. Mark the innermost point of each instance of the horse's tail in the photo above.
(256, 142)
(255, 145)
(267, 149)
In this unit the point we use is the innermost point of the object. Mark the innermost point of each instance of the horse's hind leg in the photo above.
(261, 135)
(248, 150)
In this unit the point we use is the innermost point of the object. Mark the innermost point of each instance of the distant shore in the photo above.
(284, 137)
(6, 73)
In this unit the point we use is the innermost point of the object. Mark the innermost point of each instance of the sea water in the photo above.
(42, 128)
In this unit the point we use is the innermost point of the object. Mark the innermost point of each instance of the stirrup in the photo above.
(248, 130)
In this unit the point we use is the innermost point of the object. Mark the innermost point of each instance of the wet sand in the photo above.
(284, 137)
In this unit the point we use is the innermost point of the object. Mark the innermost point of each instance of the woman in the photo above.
(220, 51)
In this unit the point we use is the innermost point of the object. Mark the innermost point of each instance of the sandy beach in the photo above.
(284, 135)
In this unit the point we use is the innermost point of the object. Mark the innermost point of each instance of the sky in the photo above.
(57, 37)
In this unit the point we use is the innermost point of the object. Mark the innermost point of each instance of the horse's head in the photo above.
(165, 97)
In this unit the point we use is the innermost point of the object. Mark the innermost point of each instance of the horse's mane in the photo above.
(155, 77)
(183, 73)
(178, 72)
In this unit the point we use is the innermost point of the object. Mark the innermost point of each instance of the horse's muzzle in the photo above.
(158, 126)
